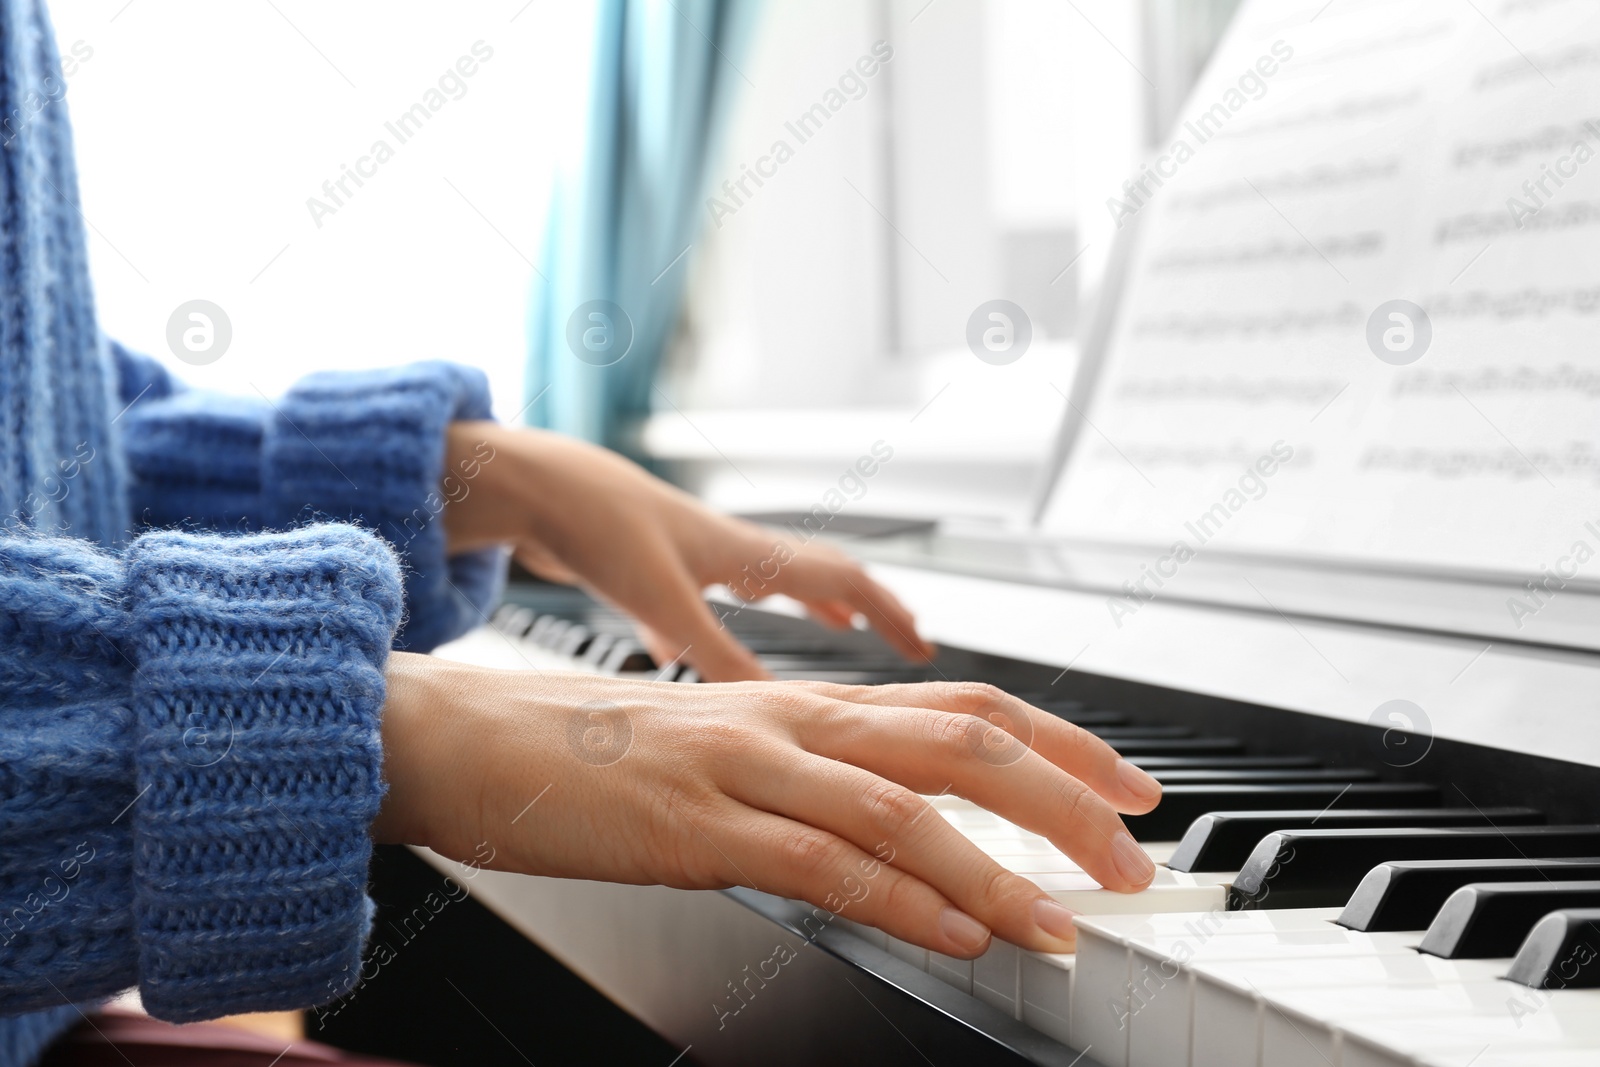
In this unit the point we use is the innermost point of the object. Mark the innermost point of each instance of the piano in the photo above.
(1328, 368)
(1312, 900)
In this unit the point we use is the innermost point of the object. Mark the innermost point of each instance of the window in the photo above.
(205, 130)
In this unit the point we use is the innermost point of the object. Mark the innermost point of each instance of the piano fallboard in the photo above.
(810, 992)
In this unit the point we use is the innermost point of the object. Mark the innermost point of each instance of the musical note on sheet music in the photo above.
(1373, 235)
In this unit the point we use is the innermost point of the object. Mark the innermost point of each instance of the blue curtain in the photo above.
(614, 263)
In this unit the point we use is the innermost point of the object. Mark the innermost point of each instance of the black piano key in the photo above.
(1179, 746)
(626, 656)
(574, 641)
(1251, 776)
(549, 635)
(1562, 951)
(1406, 895)
(1183, 804)
(540, 625)
(512, 620)
(1223, 763)
(1321, 868)
(793, 646)
(1223, 840)
(1486, 920)
(1118, 732)
(596, 651)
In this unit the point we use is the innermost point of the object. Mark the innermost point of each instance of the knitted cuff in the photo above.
(195, 457)
(368, 447)
(256, 697)
(66, 777)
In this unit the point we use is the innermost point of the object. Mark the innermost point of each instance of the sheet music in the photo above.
(1337, 158)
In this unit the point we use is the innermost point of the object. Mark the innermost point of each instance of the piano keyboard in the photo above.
(1169, 976)
(1306, 909)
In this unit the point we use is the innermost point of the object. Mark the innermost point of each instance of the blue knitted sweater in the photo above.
(197, 597)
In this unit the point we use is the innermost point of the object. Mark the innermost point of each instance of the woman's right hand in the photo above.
(801, 789)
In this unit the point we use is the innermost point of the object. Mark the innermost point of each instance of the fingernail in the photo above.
(1131, 861)
(967, 933)
(1136, 781)
(1054, 919)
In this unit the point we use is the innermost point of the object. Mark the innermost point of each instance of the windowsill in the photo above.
(975, 414)
(837, 435)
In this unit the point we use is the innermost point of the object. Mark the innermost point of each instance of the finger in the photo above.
(892, 619)
(792, 859)
(541, 561)
(810, 578)
(832, 613)
(688, 628)
(934, 751)
(661, 650)
(897, 826)
(1072, 748)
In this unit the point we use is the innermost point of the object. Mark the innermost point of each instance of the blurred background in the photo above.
(602, 150)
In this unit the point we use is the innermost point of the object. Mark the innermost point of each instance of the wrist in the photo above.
(411, 729)
(517, 482)
(482, 486)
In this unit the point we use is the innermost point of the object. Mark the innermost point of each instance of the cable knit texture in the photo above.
(189, 742)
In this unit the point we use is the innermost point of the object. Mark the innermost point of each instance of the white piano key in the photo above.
(1045, 995)
(870, 934)
(1352, 1054)
(1130, 971)
(915, 955)
(1525, 1025)
(1332, 942)
(1037, 856)
(998, 846)
(1407, 1021)
(1221, 878)
(950, 970)
(1227, 1009)
(1158, 1022)
(1038, 863)
(1161, 994)
(1169, 891)
(1290, 1042)
(1206, 925)
(1587, 1055)
(510, 619)
(1100, 996)
(1225, 1032)
(995, 978)
(1159, 851)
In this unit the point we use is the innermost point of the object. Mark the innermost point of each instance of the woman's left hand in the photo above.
(580, 514)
